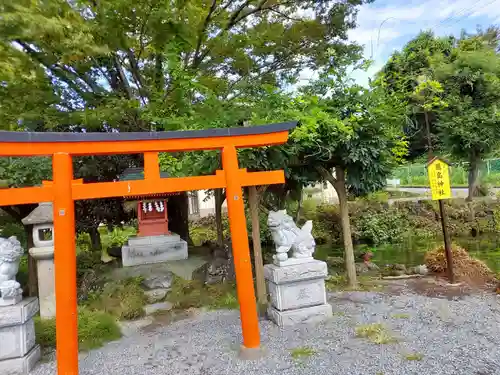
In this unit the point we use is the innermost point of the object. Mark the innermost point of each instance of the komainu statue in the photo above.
(10, 256)
(287, 236)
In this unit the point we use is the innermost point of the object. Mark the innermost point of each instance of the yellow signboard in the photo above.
(439, 178)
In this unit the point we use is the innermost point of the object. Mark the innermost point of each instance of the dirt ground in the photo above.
(435, 286)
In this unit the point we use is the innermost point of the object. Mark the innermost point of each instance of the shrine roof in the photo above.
(41, 137)
(134, 174)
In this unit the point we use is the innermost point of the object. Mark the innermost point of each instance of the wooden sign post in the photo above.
(439, 178)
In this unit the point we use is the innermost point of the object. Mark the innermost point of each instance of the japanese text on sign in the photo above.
(439, 178)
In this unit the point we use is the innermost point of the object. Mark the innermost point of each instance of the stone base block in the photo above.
(153, 249)
(305, 270)
(21, 366)
(10, 301)
(18, 314)
(296, 286)
(298, 294)
(17, 340)
(305, 315)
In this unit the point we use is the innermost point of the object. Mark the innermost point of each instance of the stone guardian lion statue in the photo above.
(10, 256)
(287, 236)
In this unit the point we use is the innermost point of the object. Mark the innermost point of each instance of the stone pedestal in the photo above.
(18, 351)
(44, 257)
(154, 249)
(297, 292)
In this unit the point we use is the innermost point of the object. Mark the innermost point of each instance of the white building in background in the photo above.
(202, 205)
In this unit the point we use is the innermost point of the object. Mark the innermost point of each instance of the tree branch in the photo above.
(10, 210)
(125, 84)
(136, 75)
(258, 8)
(203, 29)
(326, 174)
(56, 70)
(235, 18)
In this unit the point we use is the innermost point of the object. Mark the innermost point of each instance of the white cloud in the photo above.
(386, 25)
(367, 36)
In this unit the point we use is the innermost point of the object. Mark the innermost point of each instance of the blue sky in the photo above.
(387, 25)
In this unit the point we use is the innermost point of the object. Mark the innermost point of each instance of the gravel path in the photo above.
(456, 337)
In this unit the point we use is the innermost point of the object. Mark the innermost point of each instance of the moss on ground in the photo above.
(414, 357)
(95, 328)
(194, 294)
(302, 352)
(401, 316)
(123, 299)
(365, 284)
(375, 333)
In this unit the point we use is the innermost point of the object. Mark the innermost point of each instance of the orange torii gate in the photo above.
(64, 190)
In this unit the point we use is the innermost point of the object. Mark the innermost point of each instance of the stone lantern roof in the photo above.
(43, 214)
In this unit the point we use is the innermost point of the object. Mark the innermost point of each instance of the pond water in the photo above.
(411, 251)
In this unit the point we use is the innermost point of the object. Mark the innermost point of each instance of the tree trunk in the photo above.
(219, 200)
(253, 201)
(429, 137)
(299, 206)
(346, 226)
(178, 215)
(32, 269)
(95, 238)
(472, 178)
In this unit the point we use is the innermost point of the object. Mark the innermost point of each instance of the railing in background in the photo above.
(416, 174)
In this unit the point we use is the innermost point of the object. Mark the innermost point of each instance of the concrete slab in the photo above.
(186, 268)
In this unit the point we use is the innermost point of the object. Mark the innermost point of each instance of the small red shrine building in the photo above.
(152, 213)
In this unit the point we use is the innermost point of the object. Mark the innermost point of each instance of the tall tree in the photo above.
(400, 77)
(136, 66)
(470, 125)
(351, 138)
(465, 72)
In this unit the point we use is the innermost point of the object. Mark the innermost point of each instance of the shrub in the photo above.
(194, 294)
(95, 328)
(381, 227)
(9, 228)
(83, 243)
(326, 224)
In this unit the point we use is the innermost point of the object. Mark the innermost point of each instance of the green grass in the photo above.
(414, 357)
(194, 294)
(401, 316)
(375, 333)
(365, 284)
(95, 328)
(123, 299)
(302, 352)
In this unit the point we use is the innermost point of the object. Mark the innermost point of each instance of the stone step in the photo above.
(156, 307)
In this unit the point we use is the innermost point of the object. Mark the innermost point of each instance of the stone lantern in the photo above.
(43, 238)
